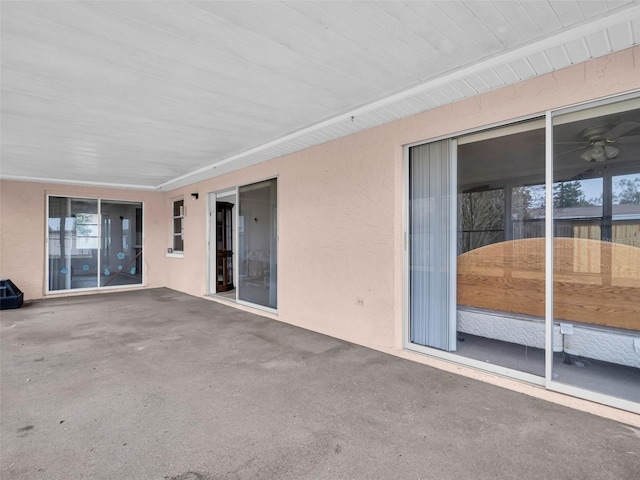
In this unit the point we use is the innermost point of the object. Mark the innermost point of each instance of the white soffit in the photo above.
(158, 95)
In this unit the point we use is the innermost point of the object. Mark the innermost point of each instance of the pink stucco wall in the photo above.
(340, 210)
(341, 205)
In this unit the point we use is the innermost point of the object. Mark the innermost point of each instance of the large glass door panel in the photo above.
(73, 243)
(596, 267)
(501, 249)
(257, 243)
(121, 243)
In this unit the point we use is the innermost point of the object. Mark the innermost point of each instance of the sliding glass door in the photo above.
(500, 263)
(93, 243)
(258, 244)
(547, 264)
(476, 247)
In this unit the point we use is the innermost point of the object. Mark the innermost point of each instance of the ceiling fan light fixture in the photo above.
(611, 152)
(586, 155)
(599, 152)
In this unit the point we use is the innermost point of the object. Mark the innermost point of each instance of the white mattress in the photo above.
(609, 345)
(603, 344)
(523, 330)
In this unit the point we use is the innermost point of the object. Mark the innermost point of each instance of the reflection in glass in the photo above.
(528, 211)
(501, 256)
(481, 218)
(257, 242)
(597, 251)
(577, 208)
(626, 209)
(120, 261)
(73, 243)
(88, 249)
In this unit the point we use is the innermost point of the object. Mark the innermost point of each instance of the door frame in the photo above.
(212, 278)
(547, 381)
(406, 337)
(67, 291)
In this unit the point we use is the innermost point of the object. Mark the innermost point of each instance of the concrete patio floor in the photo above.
(154, 384)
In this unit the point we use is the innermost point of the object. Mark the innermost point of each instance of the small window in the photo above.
(178, 225)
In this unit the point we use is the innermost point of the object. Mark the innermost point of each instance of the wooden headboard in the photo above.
(594, 282)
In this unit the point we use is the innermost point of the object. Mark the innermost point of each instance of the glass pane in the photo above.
(626, 208)
(501, 260)
(257, 241)
(219, 226)
(178, 208)
(229, 266)
(528, 211)
(178, 243)
(73, 237)
(597, 250)
(228, 235)
(220, 265)
(121, 254)
(481, 219)
(177, 226)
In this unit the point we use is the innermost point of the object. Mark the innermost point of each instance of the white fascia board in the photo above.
(82, 183)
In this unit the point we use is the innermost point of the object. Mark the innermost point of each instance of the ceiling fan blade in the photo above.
(571, 143)
(631, 139)
(584, 174)
(571, 151)
(620, 130)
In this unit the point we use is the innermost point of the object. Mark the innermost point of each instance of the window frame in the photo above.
(174, 232)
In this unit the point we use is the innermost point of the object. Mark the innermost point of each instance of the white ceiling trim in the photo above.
(569, 47)
(82, 183)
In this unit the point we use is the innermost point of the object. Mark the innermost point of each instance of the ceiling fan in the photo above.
(598, 140)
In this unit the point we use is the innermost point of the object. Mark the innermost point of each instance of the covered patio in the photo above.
(157, 384)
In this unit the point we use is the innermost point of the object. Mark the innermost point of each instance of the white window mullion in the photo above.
(100, 240)
(549, 249)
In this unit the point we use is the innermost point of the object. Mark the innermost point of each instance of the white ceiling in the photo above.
(156, 95)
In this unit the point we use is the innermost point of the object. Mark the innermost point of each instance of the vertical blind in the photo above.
(431, 224)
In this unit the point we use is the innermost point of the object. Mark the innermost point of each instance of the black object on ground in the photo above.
(10, 295)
